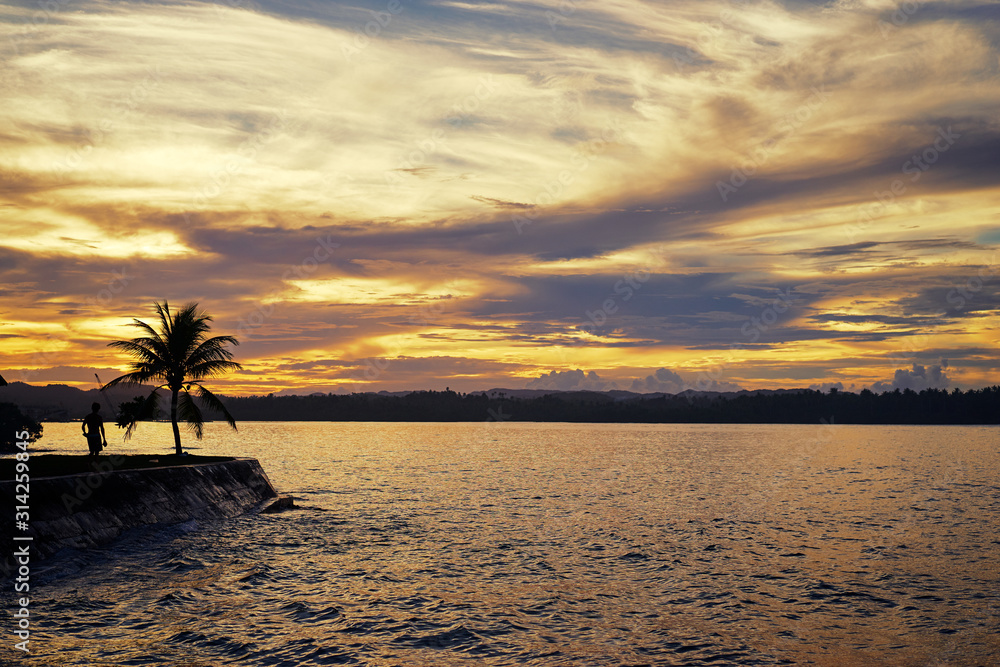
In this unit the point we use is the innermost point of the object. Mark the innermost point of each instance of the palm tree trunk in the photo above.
(173, 420)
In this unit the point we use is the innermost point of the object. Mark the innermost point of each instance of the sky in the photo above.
(553, 194)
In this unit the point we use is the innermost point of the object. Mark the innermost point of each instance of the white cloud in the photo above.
(917, 379)
(573, 380)
(668, 382)
(662, 380)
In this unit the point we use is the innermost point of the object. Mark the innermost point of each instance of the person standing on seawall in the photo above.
(93, 429)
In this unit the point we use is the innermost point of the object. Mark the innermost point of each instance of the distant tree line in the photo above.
(930, 406)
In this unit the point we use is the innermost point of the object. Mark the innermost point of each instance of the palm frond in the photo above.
(139, 348)
(212, 402)
(188, 410)
(188, 329)
(165, 320)
(131, 379)
(212, 369)
(153, 333)
(213, 348)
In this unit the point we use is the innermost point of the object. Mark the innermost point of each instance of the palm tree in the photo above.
(179, 356)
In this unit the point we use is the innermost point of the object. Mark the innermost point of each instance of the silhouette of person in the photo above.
(93, 428)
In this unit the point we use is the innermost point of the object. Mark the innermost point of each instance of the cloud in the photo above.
(402, 373)
(917, 379)
(572, 380)
(81, 376)
(661, 380)
(493, 176)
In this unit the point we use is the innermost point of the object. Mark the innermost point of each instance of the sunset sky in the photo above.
(414, 194)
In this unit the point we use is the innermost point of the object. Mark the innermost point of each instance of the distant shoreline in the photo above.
(928, 407)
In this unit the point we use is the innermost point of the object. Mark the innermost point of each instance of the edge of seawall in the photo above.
(93, 509)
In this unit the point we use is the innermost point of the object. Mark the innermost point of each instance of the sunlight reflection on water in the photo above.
(520, 543)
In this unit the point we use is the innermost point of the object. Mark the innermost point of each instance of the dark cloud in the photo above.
(840, 250)
(501, 204)
(961, 295)
(397, 373)
(875, 319)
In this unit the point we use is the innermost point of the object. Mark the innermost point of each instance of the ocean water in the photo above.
(554, 544)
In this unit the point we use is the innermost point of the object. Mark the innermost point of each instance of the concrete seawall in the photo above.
(83, 511)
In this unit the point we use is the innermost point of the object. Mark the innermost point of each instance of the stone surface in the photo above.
(89, 510)
(280, 505)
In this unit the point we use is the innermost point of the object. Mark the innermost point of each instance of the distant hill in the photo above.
(60, 402)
